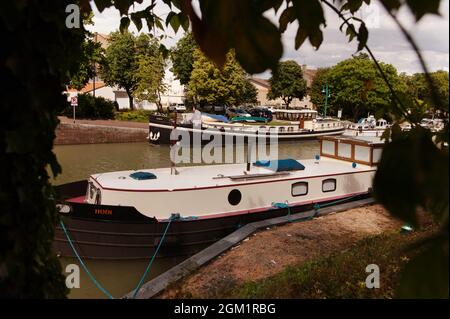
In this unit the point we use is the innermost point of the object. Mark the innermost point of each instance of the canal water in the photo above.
(79, 161)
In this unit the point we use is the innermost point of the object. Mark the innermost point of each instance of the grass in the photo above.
(134, 116)
(341, 274)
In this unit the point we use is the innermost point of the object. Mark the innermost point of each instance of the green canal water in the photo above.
(80, 161)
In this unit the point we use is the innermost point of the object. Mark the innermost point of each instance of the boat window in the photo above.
(234, 197)
(299, 189)
(329, 185)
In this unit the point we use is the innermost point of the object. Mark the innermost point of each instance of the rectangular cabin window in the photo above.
(329, 185)
(299, 189)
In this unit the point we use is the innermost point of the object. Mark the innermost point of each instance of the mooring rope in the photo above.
(96, 283)
(317, 206)
(146, 272)
(149, 266)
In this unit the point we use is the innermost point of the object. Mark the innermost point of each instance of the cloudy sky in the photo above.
(385, 40)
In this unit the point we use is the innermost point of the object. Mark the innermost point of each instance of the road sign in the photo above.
(74, 100)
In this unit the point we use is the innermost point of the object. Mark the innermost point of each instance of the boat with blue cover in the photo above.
(123, 214)
(289, 125)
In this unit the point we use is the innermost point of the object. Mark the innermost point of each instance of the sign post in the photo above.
(74, 103)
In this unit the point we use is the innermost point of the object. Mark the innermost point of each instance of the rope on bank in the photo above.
(96, 283)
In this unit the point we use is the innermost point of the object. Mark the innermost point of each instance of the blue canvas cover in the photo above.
(217, 117)
(282, 165)
(142, 175)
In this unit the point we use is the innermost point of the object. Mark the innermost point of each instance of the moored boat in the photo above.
(367, 127)
(122, 215)
(290, 125)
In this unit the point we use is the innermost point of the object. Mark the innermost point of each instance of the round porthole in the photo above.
(234, 197)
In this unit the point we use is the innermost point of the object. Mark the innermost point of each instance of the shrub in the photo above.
(91, 108)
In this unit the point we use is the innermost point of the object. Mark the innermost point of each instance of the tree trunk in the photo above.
(130, 99)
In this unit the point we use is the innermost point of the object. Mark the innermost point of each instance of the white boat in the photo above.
(295, 125)
(123, 214)
(367, 127)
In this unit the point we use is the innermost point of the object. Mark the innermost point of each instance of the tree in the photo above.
(150, 77)
(182, 56)
(210, 85)
(287, 82)
(317, 96)
(418, 88)
(249, 94)
(358, 88)
(34, 73)
(91, 53)
(123, 58)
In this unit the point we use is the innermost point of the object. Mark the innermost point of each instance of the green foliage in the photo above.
(357, 87)
(210, 85)
(135, 116)
(287, 82)
(182, 56)
(134, 64)
(418, 88)
(150, 75)
(249, 94)
(91, 108)
(91, 53)
(341, 274)
(41, 51)
(317, 97)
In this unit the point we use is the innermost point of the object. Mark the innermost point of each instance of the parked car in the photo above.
(177, 107)
(262, 112)
(232, 112)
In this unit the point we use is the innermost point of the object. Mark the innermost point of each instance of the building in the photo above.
(263, 87)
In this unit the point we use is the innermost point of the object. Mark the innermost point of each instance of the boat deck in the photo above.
(192, 177)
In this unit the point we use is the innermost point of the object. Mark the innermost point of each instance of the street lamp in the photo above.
(326, 91)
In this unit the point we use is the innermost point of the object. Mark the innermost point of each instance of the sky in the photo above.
(385, 40)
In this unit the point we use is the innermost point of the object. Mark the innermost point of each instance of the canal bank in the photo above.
(69, 132)
(274, 250)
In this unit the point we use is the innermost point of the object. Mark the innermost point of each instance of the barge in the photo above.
(123, 215)
(291, 125)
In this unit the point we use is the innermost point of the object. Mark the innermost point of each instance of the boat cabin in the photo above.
(361, 150)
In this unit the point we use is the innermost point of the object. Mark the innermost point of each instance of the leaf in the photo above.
(136, 20)
(124, 24)
(310, 17)
(421, 7)
(102, 4)
(286, 17)
(259, 47)
(300, 37)
(352, 5)
(362, 36)
(350, 32)
(169, 17)
(174, 22)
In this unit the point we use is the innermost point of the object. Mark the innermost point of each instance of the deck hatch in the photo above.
(142, 176)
